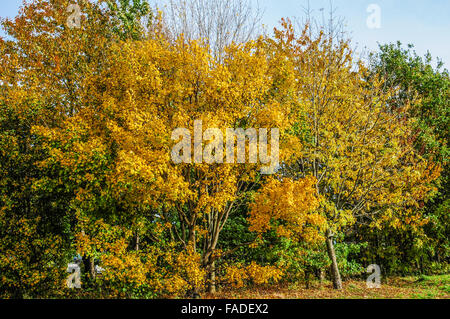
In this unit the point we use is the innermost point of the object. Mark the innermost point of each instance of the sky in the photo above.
(426, 24)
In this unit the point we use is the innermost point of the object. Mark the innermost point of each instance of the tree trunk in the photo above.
(212, 278)
(138, 239)
(89, 268)
(92, 268)
(337, 283)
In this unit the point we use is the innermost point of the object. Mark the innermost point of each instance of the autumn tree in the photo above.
(218, 23)
(34, 223)
(423, 83)
(367, 169)
(45, 60)
(195, 199)
(111, 102)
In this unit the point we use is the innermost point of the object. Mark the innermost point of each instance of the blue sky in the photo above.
(426, 24)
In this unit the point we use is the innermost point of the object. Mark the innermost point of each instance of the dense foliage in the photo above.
(87, 122)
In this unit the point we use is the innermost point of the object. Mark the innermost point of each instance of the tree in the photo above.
(114, 104)
(423, 86)
(43, 69)
(130, 19)
(356, 148)
(426, 87)
(218, 23)
(231, 93)
(34, 223)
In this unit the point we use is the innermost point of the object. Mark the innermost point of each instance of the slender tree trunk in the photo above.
(89, 267)
(92, 268)
(212, 278)
(138, 239)
(337, 282)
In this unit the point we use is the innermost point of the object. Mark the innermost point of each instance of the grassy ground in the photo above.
(423, 287)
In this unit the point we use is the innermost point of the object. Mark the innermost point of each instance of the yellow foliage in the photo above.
(238, 275)
(288, 207)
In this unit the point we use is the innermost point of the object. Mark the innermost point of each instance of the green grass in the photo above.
(440, 283)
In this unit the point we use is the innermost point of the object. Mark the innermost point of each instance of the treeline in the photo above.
(87, 112)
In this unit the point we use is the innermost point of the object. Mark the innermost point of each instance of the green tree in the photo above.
(426, 87)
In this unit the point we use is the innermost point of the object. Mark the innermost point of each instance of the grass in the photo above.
(422, 287)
